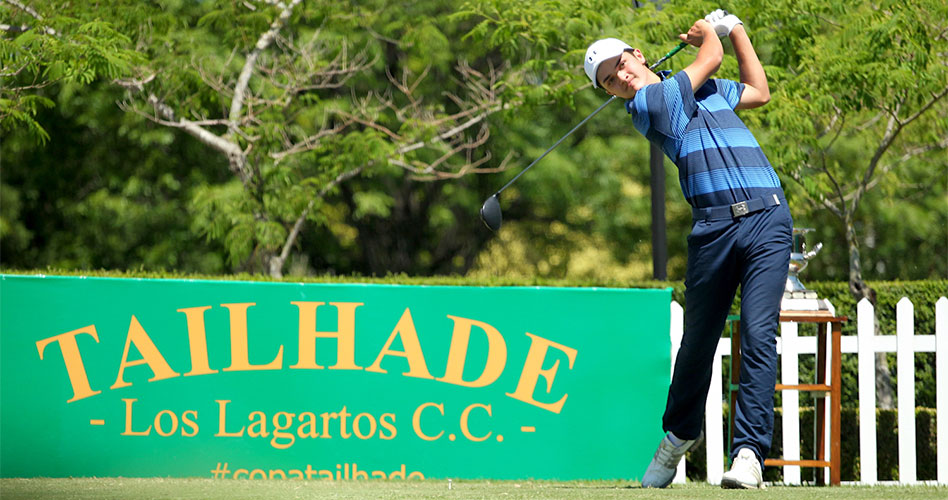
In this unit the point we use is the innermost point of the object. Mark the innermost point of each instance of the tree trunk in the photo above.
(885, 394)
(275, 265)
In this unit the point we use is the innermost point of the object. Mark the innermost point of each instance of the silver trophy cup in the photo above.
(795, 295)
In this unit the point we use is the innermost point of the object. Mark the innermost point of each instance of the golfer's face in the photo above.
(623, 75)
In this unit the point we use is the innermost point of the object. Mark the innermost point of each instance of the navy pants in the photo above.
(752, 251)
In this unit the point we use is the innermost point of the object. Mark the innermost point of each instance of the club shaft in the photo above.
(580, 124)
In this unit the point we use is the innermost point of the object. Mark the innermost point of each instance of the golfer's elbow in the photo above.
(764, 97)
(754, 97)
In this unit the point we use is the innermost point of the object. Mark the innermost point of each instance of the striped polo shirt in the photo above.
(719, 160)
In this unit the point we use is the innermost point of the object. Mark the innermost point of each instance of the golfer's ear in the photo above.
(636, 53)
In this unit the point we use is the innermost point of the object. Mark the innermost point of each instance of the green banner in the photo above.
(137, 377)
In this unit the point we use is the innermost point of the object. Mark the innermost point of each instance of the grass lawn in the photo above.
(230, 489)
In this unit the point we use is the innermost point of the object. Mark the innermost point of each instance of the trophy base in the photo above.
(809, 303)
(799, 294)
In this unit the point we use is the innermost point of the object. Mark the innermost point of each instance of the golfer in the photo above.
(741, 233)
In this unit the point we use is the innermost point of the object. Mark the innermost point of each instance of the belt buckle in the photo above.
(739, 209)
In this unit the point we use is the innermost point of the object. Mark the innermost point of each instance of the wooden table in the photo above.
(833, 389)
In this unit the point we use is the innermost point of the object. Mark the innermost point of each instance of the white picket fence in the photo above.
(905, 343)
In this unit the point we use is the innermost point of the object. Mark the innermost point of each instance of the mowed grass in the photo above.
(229, 489)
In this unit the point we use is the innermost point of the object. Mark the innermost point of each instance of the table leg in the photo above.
(835, 418)
(819, 418)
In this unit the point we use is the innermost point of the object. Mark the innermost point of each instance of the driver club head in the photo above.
(490, 213)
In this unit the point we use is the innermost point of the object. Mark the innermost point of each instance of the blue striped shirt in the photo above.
(719, 160)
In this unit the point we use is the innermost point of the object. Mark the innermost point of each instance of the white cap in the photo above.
(598, 52)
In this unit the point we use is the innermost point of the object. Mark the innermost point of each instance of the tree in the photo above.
(848, 78)
(298, 98)
(285, 92)
(864, 95)
(858, 89)
(582, 213)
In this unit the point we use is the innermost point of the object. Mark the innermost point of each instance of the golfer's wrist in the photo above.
(738, 30)
(707, 30)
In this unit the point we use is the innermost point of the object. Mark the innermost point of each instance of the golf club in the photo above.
(490, 211)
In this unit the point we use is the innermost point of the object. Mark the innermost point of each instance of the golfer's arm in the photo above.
(756, 92)
(709, 58)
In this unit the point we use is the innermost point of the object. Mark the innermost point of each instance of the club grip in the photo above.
(669, 54)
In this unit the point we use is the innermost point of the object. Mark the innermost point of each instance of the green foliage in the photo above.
(923, 295)
(67, 45)
(863, 108)
(107, 193)
(838, 72)
(12, 231)
(582, 215)
(220, 214)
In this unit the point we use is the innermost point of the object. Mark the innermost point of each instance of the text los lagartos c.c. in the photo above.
(429, 421)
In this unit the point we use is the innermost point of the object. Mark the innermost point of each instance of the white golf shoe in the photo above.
(744, 473)
(664, 463)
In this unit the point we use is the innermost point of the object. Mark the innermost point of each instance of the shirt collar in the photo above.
(664, 74)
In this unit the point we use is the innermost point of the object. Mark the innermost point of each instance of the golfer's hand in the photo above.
(722, 21)
(698, 31)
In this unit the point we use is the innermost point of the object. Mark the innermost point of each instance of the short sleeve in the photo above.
(730, 90)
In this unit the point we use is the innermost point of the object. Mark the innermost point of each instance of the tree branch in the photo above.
(831, 124)
(133, 83)
(470, 168)
(14, 29)
(445, 135)
(893, 128)
(823, 201)
(310, 142)
(164, 115)
(298, 225)
(902, 159)
(29, 10)
(236, 104)
(925, 107)
(369, 124)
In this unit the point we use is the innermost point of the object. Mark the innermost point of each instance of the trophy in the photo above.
(797, 297)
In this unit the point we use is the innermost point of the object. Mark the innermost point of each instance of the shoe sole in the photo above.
(733, 484)
(698, 441)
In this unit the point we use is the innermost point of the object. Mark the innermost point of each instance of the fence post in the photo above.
(677, 332)
(790, 374)
(905, 371)
(941, 386)
(865, 319)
